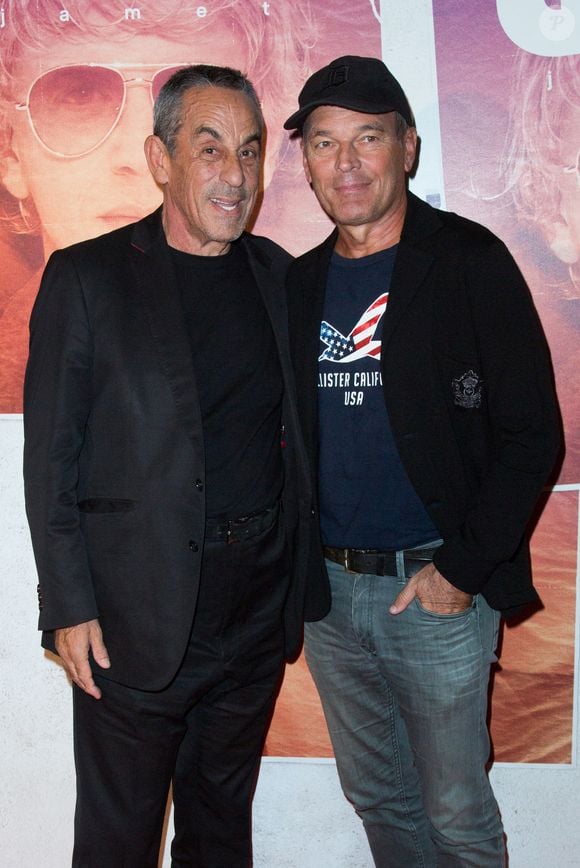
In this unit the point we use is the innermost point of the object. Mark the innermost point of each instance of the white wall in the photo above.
(300, 817)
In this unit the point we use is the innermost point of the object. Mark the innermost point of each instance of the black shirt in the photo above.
(239, 381)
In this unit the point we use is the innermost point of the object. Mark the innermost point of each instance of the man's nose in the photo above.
(232, 171)
(347, 157)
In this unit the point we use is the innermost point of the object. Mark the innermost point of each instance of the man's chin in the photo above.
(347, 217)
(227, 235)
(237, 234)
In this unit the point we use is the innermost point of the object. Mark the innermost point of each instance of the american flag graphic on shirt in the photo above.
(357, 344)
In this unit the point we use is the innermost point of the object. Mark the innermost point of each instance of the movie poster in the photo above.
(496, 93)
(503, 123)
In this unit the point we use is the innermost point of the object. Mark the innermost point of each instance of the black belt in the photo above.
(381, 563)
(242, 528)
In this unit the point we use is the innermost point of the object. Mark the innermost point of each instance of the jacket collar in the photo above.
(412, 264)
(421, 220)
(157, 286)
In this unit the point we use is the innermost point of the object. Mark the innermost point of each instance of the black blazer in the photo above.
(114, 458)
(457, 306)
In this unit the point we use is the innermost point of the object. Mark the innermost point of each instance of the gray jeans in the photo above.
(405, 700)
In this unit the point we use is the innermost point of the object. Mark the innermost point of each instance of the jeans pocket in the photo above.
(441, 616)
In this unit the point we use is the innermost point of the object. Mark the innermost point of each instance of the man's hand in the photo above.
(434, 593)
(73, 645)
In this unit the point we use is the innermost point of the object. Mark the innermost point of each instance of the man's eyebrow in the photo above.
(253, 137)
(209, 131)
(375, 125)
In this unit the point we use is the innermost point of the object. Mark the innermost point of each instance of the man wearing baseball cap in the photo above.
(432, 426)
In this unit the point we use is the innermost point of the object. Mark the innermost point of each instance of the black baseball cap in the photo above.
(363, 84)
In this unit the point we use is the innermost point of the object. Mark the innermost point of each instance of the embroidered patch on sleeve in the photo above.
(467, 390)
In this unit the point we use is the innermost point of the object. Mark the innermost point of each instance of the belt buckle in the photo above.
(347, 562)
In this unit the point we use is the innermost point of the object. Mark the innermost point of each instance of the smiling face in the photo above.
(357, 166)
(210, 181)
(82, 197)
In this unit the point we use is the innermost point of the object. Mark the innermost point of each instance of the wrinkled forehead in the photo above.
(223, 110)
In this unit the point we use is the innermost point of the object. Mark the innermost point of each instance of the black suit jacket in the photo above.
(457, 305)
(114, 457)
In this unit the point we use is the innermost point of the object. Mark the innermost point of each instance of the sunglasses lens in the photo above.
(161, 77)
(72, 109)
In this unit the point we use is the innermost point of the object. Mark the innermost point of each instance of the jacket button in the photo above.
(199, 484)
(193, 545)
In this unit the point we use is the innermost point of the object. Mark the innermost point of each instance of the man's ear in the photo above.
(12, 175)
(158, 159)
(410, 148)
(561, 242)
(305, 162)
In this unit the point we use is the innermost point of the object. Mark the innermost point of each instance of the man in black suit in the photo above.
(167, 491)
(431, 422)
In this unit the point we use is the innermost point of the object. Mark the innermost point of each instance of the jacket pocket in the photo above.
(106, 504)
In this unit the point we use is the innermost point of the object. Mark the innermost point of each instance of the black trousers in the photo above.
(204, 732)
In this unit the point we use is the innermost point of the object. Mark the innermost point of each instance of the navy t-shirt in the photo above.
(366, 498)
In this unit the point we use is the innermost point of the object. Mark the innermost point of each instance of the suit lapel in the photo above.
(314, 295)
(313, 291)
(411, 268)
(274, 297)
(412, 264)
(410, 271)
(272, 293)
(157, 288)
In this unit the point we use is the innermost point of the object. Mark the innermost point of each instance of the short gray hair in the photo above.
(168, 105)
